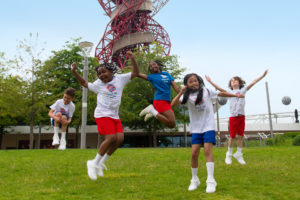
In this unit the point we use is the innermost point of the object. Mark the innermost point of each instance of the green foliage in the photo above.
(139, 93)
(277, 140)
(147, 173)
(296, 140)
(57, 76)
(291, 134)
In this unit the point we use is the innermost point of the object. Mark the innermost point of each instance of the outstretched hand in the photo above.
(207, 78)
(129, 54)
(183, 89)
(265, 73)
(73, 67)
(241, 96)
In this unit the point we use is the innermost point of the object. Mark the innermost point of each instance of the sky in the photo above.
(218, 38)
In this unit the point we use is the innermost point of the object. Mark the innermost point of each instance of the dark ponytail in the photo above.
(189, 91)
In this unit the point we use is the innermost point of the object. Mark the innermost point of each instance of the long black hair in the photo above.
(189, 90)
(110, 66)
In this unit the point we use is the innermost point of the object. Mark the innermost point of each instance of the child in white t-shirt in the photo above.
(61, 113)
(109, 88)
(202, 124)
(237, 115)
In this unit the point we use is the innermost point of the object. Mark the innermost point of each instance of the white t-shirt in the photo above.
(109, 95)
(59, 106)
(201, 115)
(237, 105)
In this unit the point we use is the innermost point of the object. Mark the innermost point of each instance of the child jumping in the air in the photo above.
(109, 89)
(161, 107)
(237, 115)
(61, 113)
(202, 124)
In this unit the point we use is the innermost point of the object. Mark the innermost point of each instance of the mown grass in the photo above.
(161, 173)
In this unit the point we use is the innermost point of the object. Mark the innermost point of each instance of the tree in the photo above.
(11, 95)
(27, 62)
(56, 74)
(139, 93)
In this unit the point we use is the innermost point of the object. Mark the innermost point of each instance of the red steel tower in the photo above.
(131, 25)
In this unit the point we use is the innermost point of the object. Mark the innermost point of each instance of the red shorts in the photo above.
(162, 105)
(107, 126)
(236, 126)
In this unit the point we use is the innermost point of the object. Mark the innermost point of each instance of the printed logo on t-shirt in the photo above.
(112, 91)
(201, 106)
(62, 111)
(164, 78)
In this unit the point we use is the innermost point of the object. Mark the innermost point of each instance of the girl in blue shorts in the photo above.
(202, 124)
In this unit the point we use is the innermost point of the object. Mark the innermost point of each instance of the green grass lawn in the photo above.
(270, 173)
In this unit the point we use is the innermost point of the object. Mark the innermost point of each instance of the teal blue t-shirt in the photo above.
(161, 82)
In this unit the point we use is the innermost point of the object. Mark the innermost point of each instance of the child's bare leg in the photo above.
(167, 118)
(195, 155)
(240, 141)
(119, 140)
(208, 152)
(106, 144)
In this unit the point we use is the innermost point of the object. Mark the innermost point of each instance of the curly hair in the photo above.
(239, 79)
(189, 90)
(110, 66)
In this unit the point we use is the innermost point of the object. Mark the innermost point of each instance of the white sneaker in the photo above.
(194, 184)
(228, 159)
(100, 170)
(148, 116)
(55, 140)
(62, 145)
(92, 170)
(146, 110)
(211, 186)
(239, 157)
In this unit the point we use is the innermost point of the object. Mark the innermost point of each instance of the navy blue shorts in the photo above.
(206, 137)
(52, 120)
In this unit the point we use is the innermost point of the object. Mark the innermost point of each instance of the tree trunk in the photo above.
(31, 132)
(154, 134)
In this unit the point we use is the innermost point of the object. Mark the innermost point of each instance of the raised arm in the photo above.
(215, 85)
(136, 70)
(143, 76)
(227, 94)
(175, 87)
(175, 101)
(82, 82)
(256, 80)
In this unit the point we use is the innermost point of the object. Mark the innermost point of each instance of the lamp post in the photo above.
(86, 48)
(269, 110)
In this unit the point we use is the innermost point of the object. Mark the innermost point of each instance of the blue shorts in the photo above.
(52, 120)
(206, 137)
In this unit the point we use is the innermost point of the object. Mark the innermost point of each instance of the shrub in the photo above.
(291, 134)
(296, 140)
(277, 140)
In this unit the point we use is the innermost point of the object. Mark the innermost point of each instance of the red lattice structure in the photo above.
(131, 26)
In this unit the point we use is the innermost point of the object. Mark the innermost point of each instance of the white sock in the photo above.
(230, 150)
(97, 158)
(153, 112)
(56, 129)
(63, 136)
(239, 150)
(194, 173)
(210, 170)
(104, 158)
